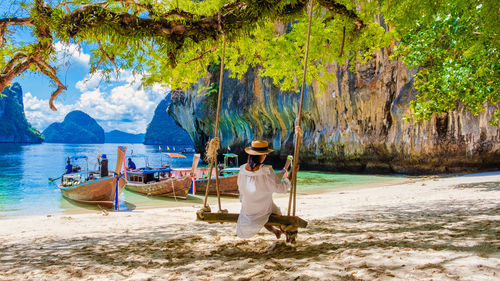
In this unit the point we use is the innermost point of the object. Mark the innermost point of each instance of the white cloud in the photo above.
(89, 83)
(124, 107)
(38, 113)
(70, 53)
(119, 103)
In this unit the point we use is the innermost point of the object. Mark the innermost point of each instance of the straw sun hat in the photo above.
(258, 147)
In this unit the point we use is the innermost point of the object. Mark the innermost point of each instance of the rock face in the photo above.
(77, 127)
(116, 136)
(355, 125)
(13, 124)
(163, 129)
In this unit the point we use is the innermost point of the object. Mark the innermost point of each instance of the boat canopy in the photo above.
(76, 157)
(174, 155)
(151, 171)
(230, 157)
(74, 174)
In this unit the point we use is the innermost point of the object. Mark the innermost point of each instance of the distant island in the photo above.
(117, 136)
(14, 128)
(77, 127)
(164, 130)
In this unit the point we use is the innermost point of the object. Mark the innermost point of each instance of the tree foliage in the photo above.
(454, 44)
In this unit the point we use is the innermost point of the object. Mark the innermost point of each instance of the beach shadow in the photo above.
(189, 198)
(482, 186)
(437, 227)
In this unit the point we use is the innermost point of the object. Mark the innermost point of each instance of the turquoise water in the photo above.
(25, 170)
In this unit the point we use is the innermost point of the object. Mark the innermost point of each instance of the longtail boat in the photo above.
(90, 188)
(161, 181)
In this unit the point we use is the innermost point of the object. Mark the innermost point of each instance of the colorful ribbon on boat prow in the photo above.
(117, 191)
(193, 184)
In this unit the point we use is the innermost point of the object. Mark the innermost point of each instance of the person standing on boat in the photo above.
(256, 184)
(69, 167)
(131, 164)
(103, 162)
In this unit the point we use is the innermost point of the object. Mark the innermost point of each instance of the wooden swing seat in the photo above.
(274, 220)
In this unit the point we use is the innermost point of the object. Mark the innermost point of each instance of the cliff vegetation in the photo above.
(13, 124)
(163, 129)
(77, 127)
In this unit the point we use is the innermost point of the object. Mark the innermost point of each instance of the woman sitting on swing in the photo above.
(256, 184)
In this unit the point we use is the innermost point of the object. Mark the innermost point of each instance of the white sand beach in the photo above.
(431, 229)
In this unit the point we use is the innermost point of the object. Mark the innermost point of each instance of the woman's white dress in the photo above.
(256, 196)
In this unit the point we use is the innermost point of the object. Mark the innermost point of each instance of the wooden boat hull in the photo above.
(173, 187)
(228, 185)
(100, 192)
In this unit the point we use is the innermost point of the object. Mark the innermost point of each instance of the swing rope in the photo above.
(289, 224)
(214, 144)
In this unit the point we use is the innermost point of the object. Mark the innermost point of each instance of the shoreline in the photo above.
(212, 199)
(328, 182)
(439, 228)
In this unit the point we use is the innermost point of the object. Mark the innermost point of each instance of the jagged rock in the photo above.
(355, 125)
(13, 124)
(163, 129)
(77, 127)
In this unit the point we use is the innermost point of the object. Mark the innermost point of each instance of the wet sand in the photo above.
(435, 229)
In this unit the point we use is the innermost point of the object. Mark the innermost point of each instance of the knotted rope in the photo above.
(298, 132)
(211, 148)
(201, 211)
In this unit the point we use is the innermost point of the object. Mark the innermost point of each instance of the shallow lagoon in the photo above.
(26, 190)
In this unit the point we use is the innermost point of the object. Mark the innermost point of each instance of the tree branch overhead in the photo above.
(103, 22)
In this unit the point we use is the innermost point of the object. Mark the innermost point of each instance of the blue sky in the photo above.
(120, 104)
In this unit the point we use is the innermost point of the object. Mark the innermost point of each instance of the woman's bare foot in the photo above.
(275, 231)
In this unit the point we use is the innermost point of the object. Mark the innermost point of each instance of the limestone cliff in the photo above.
(163, 129)
(13, 124)
(77, 127)
(355, 125)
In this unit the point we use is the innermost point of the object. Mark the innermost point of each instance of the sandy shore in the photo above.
(436, 229)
